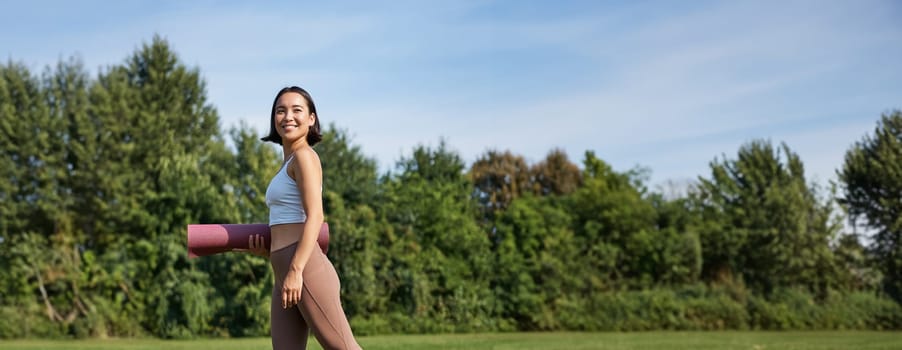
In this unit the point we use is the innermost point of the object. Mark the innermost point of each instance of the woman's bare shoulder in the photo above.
(304, 155)
(306, 161)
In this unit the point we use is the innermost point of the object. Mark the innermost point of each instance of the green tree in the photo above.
(610, 213)
(537, 263)
(359, 249)
(855, 266)
(675, 254)
(871, 179)
(32, 146)
(160, 165)
(442, 264)
(37, 209)
(762, 223)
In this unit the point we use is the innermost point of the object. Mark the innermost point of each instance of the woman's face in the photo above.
(293, 118)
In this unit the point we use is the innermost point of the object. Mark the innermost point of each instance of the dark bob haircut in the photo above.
(313, 134)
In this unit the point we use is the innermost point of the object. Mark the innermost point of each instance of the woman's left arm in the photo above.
(309, 178)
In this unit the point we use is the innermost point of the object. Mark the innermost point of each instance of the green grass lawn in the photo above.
(524, 341)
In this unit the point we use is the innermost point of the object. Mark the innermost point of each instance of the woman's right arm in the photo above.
(256, 245)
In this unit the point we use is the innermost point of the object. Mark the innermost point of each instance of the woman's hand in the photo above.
(291, 288)
(256, 245)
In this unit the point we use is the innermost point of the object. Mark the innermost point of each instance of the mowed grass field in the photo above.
(523, 341)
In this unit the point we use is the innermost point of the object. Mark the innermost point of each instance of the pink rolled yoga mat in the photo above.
(209, 239)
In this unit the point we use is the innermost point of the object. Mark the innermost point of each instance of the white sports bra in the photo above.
(284, 199)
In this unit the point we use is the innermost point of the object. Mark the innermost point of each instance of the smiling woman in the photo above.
(294, 197)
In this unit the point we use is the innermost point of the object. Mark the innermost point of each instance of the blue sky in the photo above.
(667, 85)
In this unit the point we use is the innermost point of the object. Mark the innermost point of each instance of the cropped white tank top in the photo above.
(284, 199)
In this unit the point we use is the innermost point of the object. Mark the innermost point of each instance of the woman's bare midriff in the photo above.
(284, 235)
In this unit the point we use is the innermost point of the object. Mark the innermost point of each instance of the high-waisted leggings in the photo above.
(320, 308)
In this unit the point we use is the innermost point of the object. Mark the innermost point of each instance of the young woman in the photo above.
(306, 291)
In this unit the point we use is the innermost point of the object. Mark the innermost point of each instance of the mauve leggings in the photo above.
(319, 310)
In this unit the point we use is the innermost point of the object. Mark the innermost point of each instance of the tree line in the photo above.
(99, 177)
